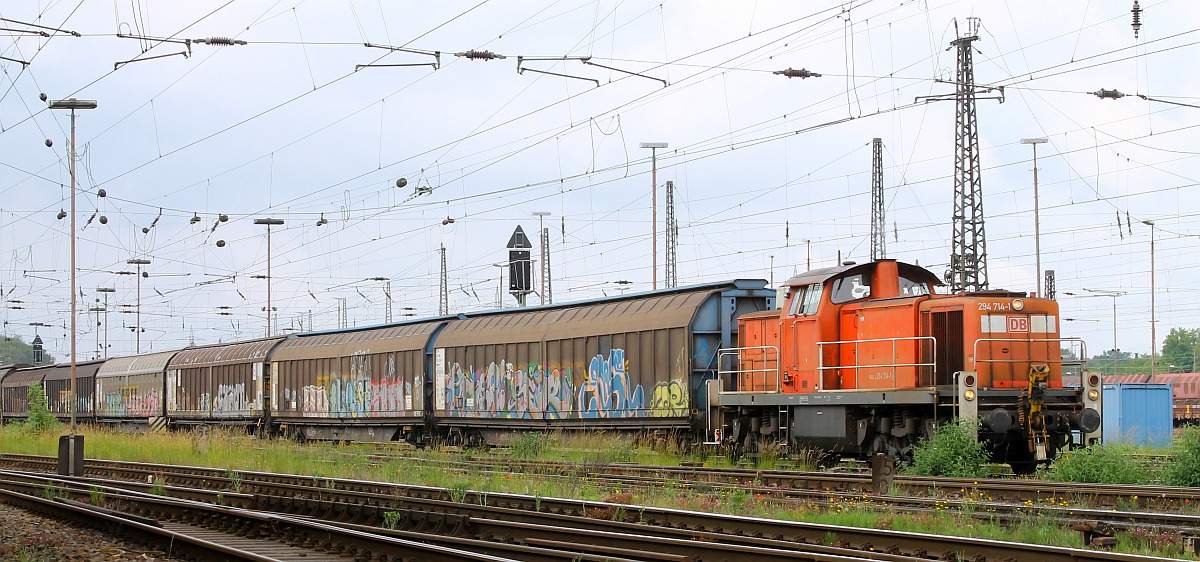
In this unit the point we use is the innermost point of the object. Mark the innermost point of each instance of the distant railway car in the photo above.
(220, 384)
(58, 389)
(56, 385)
(865, 359)
(6, 370)
(1186, 389)
(130, 391)
(363, 385)
(14, 391)
(630, 363)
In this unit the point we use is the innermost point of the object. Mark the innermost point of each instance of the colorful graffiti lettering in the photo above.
(669, 399)
(504, 390)
(558, 394)
(131, 402)
(607, 392)
(315, 400)
(359, 394)
(231, 398)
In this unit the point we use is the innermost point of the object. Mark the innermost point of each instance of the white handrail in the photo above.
(770, 360)
(821, 367)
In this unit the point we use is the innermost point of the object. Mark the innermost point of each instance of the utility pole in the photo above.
(968, 252)
(1153, 336)
(878, 219)
(672, 238)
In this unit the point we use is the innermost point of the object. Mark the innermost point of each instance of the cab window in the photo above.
(806, 300)
(910, 288)
(812, 298)
(850, 288)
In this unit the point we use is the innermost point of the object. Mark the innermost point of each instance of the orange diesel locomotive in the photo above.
(866, 359)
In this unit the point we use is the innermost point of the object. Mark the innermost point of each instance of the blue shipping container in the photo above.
(1137, 414)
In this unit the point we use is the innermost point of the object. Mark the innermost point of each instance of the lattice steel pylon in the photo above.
(546, 277)
(672, 238)
(968, 251)
(387, 299)
(343, 317)
(878, 218)
(443, 287)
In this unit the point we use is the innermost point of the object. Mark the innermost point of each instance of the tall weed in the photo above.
(1098, 464)
(1184, 467)
(953, 451)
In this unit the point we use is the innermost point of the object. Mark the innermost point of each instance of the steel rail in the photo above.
(259, 537)
(724, 526)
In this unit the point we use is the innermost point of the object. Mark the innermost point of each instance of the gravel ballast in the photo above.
(28, 536)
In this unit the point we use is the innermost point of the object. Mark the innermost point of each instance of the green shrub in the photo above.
(1098, 464)
(40, 419)
(953, 451)
(1184, 467)
(529, 446)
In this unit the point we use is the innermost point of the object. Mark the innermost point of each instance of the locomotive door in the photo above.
(946, 327)
(846, 353)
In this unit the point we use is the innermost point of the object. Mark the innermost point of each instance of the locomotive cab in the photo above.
(865, 358)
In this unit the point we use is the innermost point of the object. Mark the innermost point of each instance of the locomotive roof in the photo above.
(826, 273)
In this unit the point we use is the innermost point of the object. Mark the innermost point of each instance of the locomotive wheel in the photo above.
(1021, 460)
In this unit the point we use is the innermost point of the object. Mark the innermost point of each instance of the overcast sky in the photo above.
(291, 126)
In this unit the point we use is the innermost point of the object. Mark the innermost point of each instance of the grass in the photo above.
(238, 453)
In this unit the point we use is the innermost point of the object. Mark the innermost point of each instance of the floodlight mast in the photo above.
(269, 222)
(72, 105)
(1037, 228)
(654, 146)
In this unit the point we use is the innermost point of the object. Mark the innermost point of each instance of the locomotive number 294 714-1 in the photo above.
(995, 306)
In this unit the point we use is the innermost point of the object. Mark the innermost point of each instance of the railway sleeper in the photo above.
(1191, 543)
(1096, 534)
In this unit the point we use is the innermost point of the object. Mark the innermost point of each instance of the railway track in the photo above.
(1009, 490)
(594, 529)
(973, 501)
(205, 531)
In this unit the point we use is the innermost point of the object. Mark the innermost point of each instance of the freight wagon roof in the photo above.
(668, 308)
(59, 372)
(62, 371)
(409, 336)
(224, 353)
(5, 370)
(25, 376)
(135, 365)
